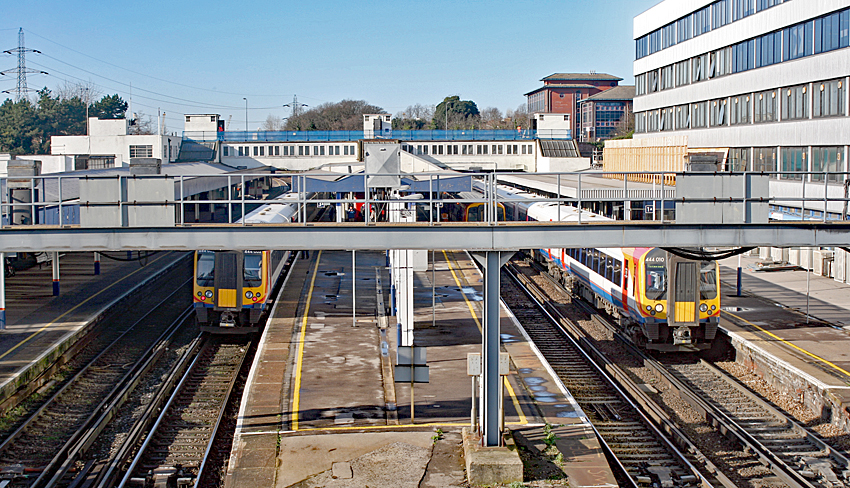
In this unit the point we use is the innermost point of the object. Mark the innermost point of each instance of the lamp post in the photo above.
(246, 113)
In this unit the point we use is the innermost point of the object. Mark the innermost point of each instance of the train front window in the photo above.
(708, 280)
(206, 269)
(474, 213)
(655, 265)
(251, 275)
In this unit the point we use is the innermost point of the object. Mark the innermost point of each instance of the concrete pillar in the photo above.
(3, 292)
(491, 386)
(55, 274)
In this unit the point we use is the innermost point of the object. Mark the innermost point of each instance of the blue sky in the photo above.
(204, 57)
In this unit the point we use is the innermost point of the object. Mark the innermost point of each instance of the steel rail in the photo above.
(609, 371)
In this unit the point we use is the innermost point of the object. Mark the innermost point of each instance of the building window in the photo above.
(652, 118)
(667, 80)
(698, 115)
(739, 159)
(795, 102)
(718, 112)
(793, 159)
(722, 13)
(827, 160)
(100, 162)
(769, 49)
(764, 159)
(262, 150)
(226, 151)
(764, 107)
(831, 31)
(321, 150)
(829, 98)
(145, 151)
(740, 110)
(652, 81)
(683, 117)
(683, 72)
(666, 121)
(668, 36)
(256, 151)
(700, 71)
(798, 41)
(683, 29)
(702, 21)
(744, 56)
(720, 62)
(500, 148)
(743, 8)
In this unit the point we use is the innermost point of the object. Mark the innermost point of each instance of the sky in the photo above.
(208, 57)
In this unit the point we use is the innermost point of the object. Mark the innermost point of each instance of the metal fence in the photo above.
(404, 135)
(55, 200)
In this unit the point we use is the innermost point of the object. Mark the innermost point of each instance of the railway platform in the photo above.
(40, 327)
(806, 359)
(321, 407)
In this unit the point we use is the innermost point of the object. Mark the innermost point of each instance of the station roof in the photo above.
(437, 181)
(194, 183)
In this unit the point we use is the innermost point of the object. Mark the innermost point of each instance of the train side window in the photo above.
(594, 260)
(618, 271)
(609, 268)
(708, 280)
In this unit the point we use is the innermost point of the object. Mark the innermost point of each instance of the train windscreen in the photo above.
(656, 274)
(708, 280)
(252, 269)
(206, 269)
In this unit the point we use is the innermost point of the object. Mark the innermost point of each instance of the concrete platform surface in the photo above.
(768, 326)
(40, 326)
(317, 394)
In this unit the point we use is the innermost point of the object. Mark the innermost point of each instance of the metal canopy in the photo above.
(336, 183)
(472, 237)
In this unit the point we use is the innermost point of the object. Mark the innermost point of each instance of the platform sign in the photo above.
(403, 374)
(474, 367)
(411, 367)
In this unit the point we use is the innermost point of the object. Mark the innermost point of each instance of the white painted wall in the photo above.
(49, 164)
(201, 123)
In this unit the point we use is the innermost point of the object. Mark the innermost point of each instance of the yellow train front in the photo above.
(677, 300)
(232, 288)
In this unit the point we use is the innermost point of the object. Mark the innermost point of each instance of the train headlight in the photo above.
(209, 294)
(703, 308)
(257, 295)
(713, 308)
(249, 294)
(659, 308)
(200, 294)
(649, 308)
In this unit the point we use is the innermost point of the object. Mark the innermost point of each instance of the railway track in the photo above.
(793, 453)
(176, 449)
(46, 445)
(633, 434)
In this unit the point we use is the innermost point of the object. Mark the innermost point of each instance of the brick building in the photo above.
(562, 92)
(603, 113)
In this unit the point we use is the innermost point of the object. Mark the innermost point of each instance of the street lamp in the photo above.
(246, 113)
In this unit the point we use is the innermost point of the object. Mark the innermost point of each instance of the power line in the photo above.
(154, 77)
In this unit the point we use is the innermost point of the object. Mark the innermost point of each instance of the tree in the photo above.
(343, 115)
(458, 113)
(626, 127)
(492, 119)
(273, 123)
(414, 117)
(109, 107)
(19, 131)
(519, 118)
(84, 90)
(141, 124)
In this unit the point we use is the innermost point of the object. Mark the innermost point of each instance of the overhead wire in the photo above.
(151, 76)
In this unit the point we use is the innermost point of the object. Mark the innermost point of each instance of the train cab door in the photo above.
(228, 280)
(683, 299)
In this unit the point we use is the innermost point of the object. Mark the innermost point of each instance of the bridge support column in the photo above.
(55, 274)
(492, 262)
(3, 292)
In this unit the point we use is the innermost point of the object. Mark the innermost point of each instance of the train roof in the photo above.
(277, 211)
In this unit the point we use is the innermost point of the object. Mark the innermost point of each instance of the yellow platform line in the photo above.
(522, 419)
(57, 319)
(391, 427)
(794, 346)
(296, 396)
